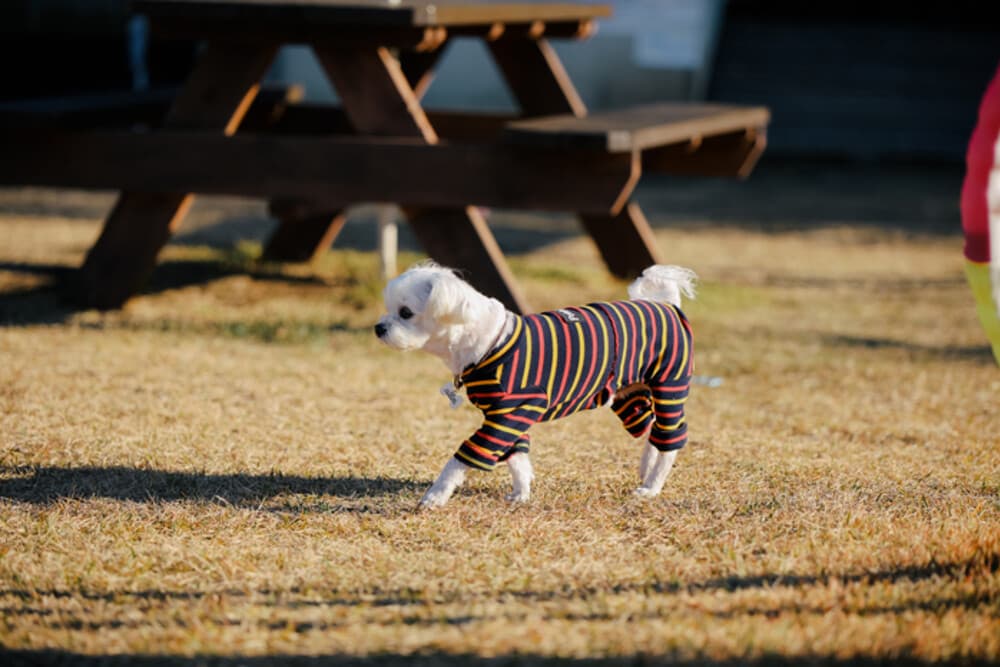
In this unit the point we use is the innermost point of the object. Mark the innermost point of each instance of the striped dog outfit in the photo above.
(560, 362)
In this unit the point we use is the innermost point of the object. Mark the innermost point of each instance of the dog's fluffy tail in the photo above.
(664, 283)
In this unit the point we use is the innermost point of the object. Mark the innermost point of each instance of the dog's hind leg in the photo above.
(656, 467)
(667, 435)
(634, 407)
(646, 460)
(521, 475)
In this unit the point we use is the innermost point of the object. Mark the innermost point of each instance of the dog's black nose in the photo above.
(380, 329)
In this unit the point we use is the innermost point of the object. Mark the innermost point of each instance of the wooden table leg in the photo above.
(462, 239)
(216, 95)
(378, 99)
(418, 68)
(536, 77)
(541, 86)
(625, 241)
(304, 232)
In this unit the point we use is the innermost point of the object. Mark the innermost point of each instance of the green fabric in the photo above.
(978, 275)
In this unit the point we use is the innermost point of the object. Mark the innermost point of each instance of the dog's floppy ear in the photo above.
(448, 301)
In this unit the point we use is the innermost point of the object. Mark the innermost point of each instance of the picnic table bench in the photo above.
(220, 134)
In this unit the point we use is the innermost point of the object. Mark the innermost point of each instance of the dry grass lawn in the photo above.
(227, 471)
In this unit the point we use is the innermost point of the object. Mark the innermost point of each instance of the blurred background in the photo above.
(846, 80)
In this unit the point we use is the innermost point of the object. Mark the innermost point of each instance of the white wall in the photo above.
(652, 50)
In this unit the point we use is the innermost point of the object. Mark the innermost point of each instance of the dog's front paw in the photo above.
(518, 497)
(644, 493)
(446, 483)
(433, 499)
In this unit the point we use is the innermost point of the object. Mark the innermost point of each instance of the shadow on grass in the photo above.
(515, 232)
(53, 302)
(177, 274)
(45, 306)
(978, 564)
(42, 485)
(981, 563)
(978, 353)
(436, 659)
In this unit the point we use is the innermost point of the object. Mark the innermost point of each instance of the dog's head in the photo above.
(429, 306)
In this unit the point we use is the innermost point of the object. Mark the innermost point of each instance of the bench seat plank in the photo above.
(636, 128)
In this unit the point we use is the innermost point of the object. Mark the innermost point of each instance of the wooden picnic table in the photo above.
(221, 135)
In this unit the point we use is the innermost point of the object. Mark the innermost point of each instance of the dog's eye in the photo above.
(405, 313)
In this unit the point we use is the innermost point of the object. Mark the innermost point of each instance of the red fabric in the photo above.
(978, 165)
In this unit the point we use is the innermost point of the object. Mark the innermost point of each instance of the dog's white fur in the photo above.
(430, 308)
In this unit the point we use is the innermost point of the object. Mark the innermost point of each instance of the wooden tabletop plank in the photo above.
(382, 13)
(636, 128)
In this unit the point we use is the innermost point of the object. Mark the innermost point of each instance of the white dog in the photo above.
(635, 356)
